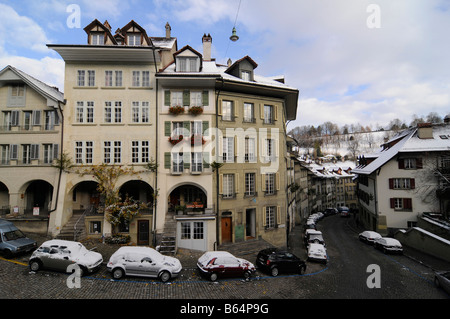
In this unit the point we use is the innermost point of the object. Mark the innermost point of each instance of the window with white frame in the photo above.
(136, 79)
(196, 128)
(81, 76)
(177, 98)
(228, 186)
(402, 183)
(140, 112)
(249, 115)
(84, 112)
(271, 212)
(177, 130)
(118, 78)
(228, 149)
(250, 184)
(27, 117)
(117, 152)
(250, 149)
(108, 78)
(134, 39)
(50, 153)
(270, 183)
(270, 149)
(196, 98)
(268, 114)
(98, 38)
(145, 78)
(185, 230)
(51, 119)
(140, 151)
(177, 163)
(91, 78)
(199, 230)
(107, 152)
(113, 114)
(16, 96)
(197, 162)
(227, 111)
(84, 152)
(185, 64)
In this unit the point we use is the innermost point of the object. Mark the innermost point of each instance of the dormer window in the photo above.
(98, 38)
(246, 75)
(187, 64)
(134, 39)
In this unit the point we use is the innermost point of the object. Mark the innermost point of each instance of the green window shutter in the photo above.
(187, 127)
(206, 162)
(167, 160)
(167, 128)
(205, 126)
(187, 160)
(167, 97)
(186, 98)
(205, 98)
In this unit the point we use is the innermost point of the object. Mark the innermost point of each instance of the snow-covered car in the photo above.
(442, 280)
(344, 211)
(215, 264)
(310, 224)
(388, 245)
(143, 262)
(59, 254)
(314, 237)
(317, 252)
(369, 236)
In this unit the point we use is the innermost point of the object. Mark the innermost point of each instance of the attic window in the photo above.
(97, 38)
(246, 75)
(134, 39)
(187, 64)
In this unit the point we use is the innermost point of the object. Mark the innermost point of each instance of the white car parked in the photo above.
(59, 254)
(369, 236)
(388, 245)
(317, 252)
(144, 262)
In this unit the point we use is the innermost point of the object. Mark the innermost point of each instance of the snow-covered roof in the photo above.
(408, 141)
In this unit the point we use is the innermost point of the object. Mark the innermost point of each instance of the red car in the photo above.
(214, 264)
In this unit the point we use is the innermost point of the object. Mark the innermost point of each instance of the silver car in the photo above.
(60, 254)
(143, 261)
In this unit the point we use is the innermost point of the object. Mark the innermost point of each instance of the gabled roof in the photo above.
(133, 23)
(247, 58)
(106, 28)
(386, 153)
(188, 47)
(45, 90)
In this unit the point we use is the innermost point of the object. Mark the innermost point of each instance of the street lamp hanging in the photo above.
(234, 36)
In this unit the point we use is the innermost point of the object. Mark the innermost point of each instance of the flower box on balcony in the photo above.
(195, 110)
(176, 110)
(197, 140)
(175, 140)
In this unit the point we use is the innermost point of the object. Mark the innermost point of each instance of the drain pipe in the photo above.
(155, 190)
(61, 158)
(217, 168)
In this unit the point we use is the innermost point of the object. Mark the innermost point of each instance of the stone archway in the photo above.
(38, 196)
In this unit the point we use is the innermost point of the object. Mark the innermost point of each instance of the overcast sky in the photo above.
(353, 61)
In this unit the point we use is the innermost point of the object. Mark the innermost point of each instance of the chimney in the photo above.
(168, 29)
(425, 130)
(207, 41)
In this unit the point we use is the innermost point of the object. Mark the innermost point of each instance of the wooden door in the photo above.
(143, 232)
(226, 229)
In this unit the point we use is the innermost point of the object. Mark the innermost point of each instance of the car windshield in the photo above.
(13, 235)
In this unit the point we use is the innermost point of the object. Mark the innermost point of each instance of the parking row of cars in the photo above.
(385, 244)
(315, 244)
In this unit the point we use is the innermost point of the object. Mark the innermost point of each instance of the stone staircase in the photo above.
(168, 244)
(68, 231)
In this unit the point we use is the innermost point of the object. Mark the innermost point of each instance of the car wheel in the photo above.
(302, 270)
(247, 274)
(213, 276)
(436, 282)
(274, 271)
(35, 265)
(118, 273)
(164, 276)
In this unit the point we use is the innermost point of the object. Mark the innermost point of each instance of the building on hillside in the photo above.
(407, 177)
(330, 185)
(30, 141)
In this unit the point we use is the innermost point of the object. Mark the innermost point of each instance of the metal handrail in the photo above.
(75, 233)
